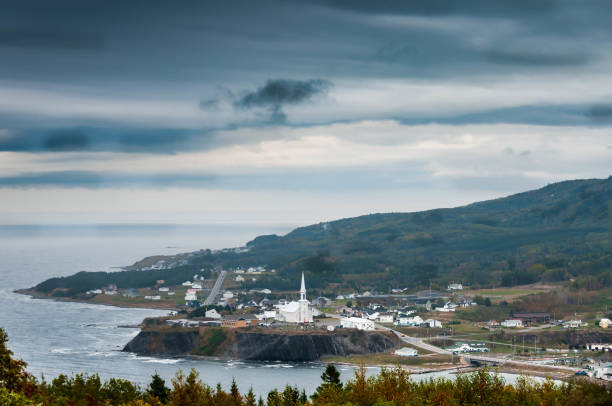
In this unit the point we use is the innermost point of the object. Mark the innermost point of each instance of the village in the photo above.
(425, 321)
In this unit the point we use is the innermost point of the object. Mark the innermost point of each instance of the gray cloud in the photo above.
(600, 112)
(536, 58)
(35, 37)
(152, 140)
(279, 92)
(447, 7)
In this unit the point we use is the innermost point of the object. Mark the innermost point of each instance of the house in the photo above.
(239, 278)
(227, 295)
(512, 323)
(605, 323)
(432, 323)
(532, 317)
(164, 289)
(573, 324)
(358, 323)
(448, 307)
(339, 297)
(409, 321)
(385, 318)
(212, 314)
(454, 286)
(600, 347)
(187, 283)
(406, 352)
(469, 347)
(321, 301)
(492, 324)
(239, 321)
(197, 286)
(130, 292)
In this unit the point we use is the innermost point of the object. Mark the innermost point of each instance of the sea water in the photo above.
(65, 338)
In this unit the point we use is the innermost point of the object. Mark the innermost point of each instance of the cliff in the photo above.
(260, 345)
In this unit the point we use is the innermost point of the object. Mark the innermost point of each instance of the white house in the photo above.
(600, 347)
(385, 318)
(409, 321)
(432, 323)
(296, 312)
(197, 286)
(212, 314)
(573, 324)
(512, 323)
(357, 322)
(164, 289)
(455, 286)
(187, 283)
(605, 323)
(227, 295)
(239, 278)
(406, 352)
(448, 307)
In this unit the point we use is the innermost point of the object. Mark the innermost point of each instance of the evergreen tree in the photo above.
(331, 376)
(235, 394)
(249, 399)
(158, 389)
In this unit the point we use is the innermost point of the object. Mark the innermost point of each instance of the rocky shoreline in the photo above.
(258, 344)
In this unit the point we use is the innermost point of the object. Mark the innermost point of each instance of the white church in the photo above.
(296, 312)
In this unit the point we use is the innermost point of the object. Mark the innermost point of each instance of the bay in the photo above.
(65, 338)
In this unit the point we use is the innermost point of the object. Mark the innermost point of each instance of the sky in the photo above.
(295, 112)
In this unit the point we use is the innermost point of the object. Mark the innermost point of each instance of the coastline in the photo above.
(149, 306)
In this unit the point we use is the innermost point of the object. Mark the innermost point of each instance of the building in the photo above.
(512, 323)
(406, 352)
(573, 324)
(469, 347)
(358, 323)
(385, 318)
(432, 323)
(409, 321)
(212, 314)
(164, 289)
(239, 278)
(454, 286)
(296, 312)
(239, 321)
(600, 347)
(533, 317)
(448, 307)
(605, 323)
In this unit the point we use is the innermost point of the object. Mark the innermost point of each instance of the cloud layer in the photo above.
(300, 101)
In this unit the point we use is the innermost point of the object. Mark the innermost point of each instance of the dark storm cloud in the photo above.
(446, 7)
(536, 58)
(378, 177)
(164, 141)
(35, 37)
(97, 180)
(279, 92)
(600, 112)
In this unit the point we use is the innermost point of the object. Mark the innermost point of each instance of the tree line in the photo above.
(390, 387)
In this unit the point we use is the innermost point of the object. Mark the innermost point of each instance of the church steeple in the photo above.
(303, 289)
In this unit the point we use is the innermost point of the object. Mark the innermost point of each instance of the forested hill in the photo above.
(561, 230)
(555, 233)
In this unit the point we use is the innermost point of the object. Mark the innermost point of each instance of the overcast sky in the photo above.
(295, 112)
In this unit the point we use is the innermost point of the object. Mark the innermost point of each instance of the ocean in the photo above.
(65, 338)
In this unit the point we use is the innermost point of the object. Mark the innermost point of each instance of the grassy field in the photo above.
(392, 359)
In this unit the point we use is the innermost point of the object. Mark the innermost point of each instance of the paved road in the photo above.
(216, 288)
(415, 341)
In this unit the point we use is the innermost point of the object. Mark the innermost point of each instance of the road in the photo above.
(415, 341)
(214, 292)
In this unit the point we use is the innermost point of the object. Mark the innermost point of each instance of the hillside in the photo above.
(555, 233)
